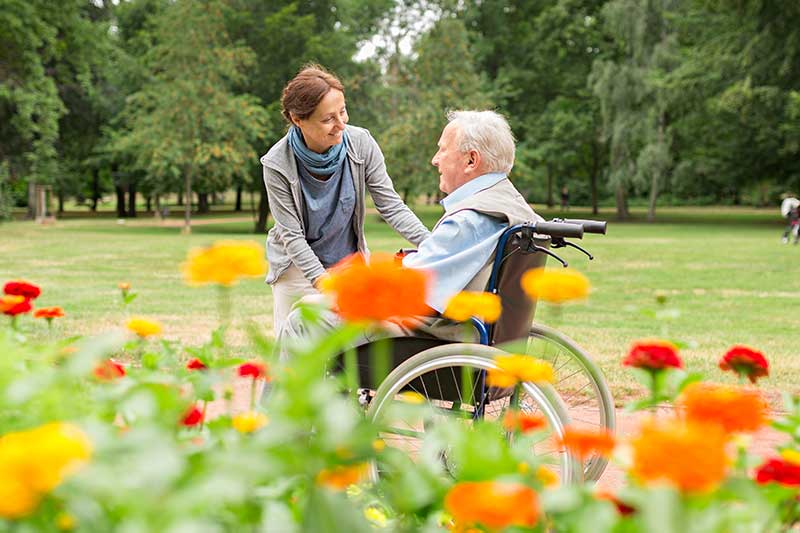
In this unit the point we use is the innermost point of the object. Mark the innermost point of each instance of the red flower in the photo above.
(196, 364)
(192, 417)
(779, 470)
(254, 369)
(746, 362)
(48, 312)
(653, 355)
(109, 370)
(13, 305)
(22, 288)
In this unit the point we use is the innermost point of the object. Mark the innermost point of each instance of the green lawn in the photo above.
(723, 269)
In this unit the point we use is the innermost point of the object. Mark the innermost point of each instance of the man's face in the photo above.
(451, 162)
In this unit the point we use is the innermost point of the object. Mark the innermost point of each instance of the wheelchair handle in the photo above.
(559, 229)
(589, 226)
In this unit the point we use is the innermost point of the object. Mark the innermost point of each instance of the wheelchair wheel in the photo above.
(580, 384)
(435, 375)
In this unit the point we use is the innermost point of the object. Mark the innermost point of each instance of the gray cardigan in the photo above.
(286, 241)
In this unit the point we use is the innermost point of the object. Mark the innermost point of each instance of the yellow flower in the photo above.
(412, 397)
(515, 368)
(65, 522)
(143, 328)
(378, 445)
(555, 286)
(546, 476)
(791, 456)
(376, 516)
(484, 305)
(249, 421)
(224, 263)
(34, 462)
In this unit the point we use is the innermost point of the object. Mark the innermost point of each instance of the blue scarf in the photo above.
(320, 164)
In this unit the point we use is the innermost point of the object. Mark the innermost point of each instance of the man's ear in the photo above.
(474, 159)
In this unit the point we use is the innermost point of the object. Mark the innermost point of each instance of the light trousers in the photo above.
(289, 287)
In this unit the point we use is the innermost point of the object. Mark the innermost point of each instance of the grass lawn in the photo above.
(723, 270)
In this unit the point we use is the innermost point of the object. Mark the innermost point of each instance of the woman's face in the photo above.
(325, 127)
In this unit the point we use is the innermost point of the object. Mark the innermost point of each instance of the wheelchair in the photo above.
(434, 368)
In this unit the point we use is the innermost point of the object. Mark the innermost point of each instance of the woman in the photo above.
(316, 178)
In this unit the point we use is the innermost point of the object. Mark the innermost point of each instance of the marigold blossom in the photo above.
(65, 522)
(377, 290)
(22, 288)
(109, 370)
(546, 476)
(224, 263)
(523, 422)
(735, 409)
(492, 504)
(555, 285)
(514, 368)
(13, 305)
(746, 362)
(143, 328)
(195, 364)
(340, 477)
(466, 304)
(124, 286)
(584, 442)
(192, 417)
(249, 422)
(253, 369)
(653, 355)
(685, 454)
(48, 313)
(779, 470)
(34, 462)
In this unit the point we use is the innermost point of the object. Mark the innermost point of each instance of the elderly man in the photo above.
(476, 153)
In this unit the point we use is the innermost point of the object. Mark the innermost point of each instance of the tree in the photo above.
(185, 123)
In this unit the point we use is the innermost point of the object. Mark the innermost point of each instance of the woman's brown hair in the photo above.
(303, 93)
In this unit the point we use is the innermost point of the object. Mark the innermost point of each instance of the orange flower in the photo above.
(342, 476)
(48, 312)
(736, 409)
(492, 504)
(546, 476)
(555, 286)
(685, 454)
(13, 305)
(583, 442)
(523, 422)
(376, 291)
(653, 355)
(109, 370)
(746, 362)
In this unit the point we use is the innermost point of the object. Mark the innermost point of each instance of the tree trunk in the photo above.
(238, 206)
(263, 211)
(550, 202)
(31, 201)
(187, 208)
(95, 189)
(148, 204)
(621, 197)
(132, 200)
(120, 190)
(593, 177)
(60, 202)
(180, 197)
(656, 178)
(202, 202)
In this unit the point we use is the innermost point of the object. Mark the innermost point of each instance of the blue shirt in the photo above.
(329, 206)
(460, 246)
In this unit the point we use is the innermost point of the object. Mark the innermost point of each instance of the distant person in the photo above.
(564, 198)
(790, 210)
(316, 177)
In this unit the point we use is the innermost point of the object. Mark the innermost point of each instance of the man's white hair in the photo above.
(489, 134)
